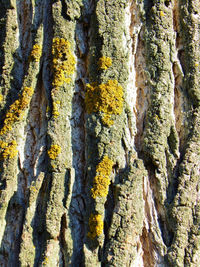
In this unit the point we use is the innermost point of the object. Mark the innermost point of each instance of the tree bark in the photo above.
(99, 133)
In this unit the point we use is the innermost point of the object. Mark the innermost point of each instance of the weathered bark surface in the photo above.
(100, 133)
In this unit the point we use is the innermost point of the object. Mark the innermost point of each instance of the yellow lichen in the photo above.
(101, 181)
(53, 166)
(105, 62)
(1, 97)
(54, 151)
(45, 261)
(63, 62)
(8, 150)
(36, 52)
(162, 13)
(106, 119)
(95, 226)
(106, 98)
(68, 80)
(16, 110)
(55, 109)
(33, 189)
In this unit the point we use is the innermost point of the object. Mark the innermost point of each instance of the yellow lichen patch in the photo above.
(8, 150)
(16, 110)
(55, 109)
(68, 80)
(33, 189)
(95, 226)
(106, 98)
(45, 261)
(54, 151)
(102, 181)
(1, 97)
(162, 13)
(36, 52)
(106, 119)
(104, 62)
(63, 62)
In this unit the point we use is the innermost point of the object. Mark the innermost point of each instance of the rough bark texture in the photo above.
(100, 133)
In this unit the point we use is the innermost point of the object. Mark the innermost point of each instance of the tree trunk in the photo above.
(100, 133)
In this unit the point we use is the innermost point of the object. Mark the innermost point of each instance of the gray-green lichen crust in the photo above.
(184, 249)
(128, 216)
(160, 139)
(160, 125)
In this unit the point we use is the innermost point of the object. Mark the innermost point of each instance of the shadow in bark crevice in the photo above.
(148, 4)
(10, 245)
(40, 236)
(111, 203)
(3, 21)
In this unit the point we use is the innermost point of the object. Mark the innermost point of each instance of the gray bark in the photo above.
(99, 133)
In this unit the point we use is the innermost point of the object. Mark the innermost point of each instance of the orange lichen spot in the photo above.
(95, 225)
(36, 52)
(104, 62)
(8, 150)
(54, 151)
(101, 181)
(63, 62)
(17, 109)
(106, 98)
